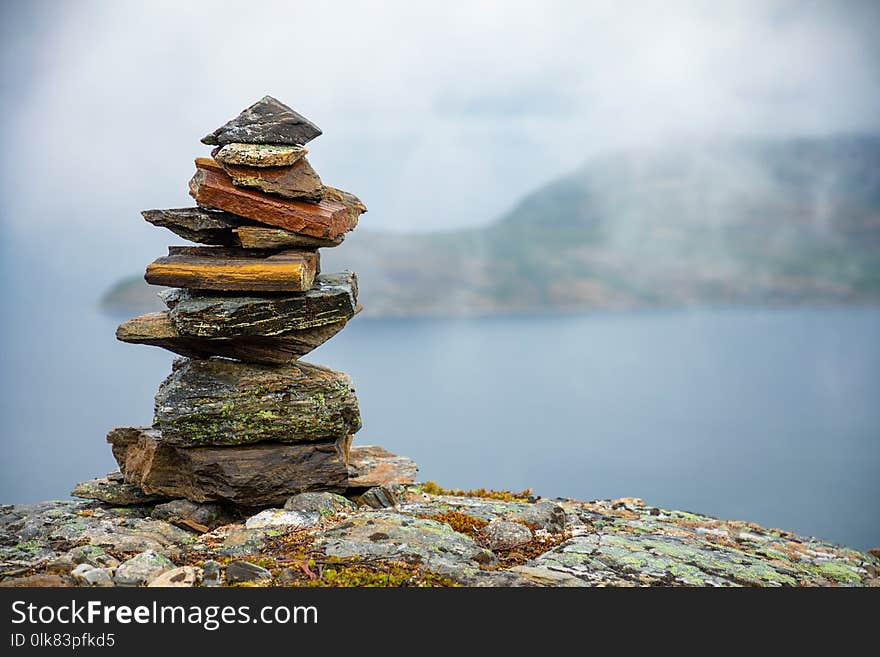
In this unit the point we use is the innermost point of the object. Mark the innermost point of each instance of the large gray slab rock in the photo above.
(396, 536)
(268, 121)
(221, 402)
(158, 330)
(197, 224)
(332, 298)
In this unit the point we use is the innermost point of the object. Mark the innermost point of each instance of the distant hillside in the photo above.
(744, 222)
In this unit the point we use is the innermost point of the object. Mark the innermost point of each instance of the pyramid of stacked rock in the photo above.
(241, 419)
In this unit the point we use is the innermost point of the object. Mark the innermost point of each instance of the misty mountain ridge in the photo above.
(783, 222)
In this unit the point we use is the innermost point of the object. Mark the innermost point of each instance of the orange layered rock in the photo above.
(212, 187)
(207, 268)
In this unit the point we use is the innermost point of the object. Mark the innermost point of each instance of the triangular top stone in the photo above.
(268, 121)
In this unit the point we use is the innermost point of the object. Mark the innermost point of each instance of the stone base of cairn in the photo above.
(241, 419)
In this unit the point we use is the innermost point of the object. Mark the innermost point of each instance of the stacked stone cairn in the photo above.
(241, 419)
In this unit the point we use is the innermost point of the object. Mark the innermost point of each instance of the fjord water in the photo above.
(763, 415)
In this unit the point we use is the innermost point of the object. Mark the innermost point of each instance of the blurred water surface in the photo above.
(764, 415)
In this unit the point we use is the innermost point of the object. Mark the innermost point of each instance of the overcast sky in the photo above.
(439, 115)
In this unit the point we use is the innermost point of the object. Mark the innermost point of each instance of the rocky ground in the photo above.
(409, 535)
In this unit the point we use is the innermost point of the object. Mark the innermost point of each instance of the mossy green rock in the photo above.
(221, 402)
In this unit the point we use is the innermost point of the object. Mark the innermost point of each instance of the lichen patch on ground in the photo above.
(432, 537)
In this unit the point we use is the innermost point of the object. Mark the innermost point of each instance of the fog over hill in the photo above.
(782, 222)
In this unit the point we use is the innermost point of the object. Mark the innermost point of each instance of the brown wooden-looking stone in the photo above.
(252, 475)
(158, 330)
(211, 187)
(223, 402)
(231, 270)
(298, 181)
(264, 237)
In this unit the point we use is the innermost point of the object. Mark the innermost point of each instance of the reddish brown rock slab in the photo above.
(212, 187)
(371, 465)
(158, 330)
(353, 205)
(298, 181)
(219, 228)
(233, 270)
(252, 475)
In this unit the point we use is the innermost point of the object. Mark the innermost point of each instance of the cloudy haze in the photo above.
(438, 115)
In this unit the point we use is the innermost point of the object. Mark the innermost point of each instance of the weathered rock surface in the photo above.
(233, 270)
(238, 541)
(212, 187)
(244, 571)
(543, 514)
(211, 573)
(197, 224)
(158, 330)
(252, 475)
(298, 181)
(268, 121)
(504, 535)
(221, 402)
(86, 574)
(183, 577)
(190, 515)
(113, 490)
(605, 543)
(397, 536)
(332, 298)
(378, 497)
(283, 518)
(259, 155)
(266, 237)
(371, 465)
(324, 504)
(142, 568)
(547, 577)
